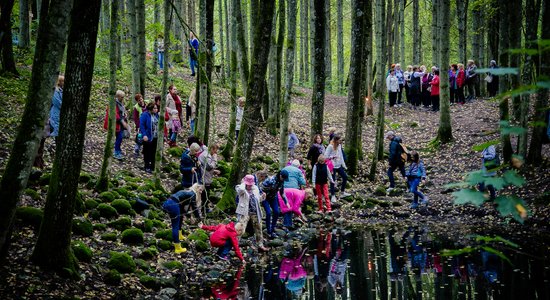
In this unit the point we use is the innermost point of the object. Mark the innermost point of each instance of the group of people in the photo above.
(193, 48)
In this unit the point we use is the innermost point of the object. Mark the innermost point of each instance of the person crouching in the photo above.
(225, 238)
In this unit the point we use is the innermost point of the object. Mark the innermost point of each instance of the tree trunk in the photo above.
(273, 88)
(340, 47)
(311, 56)
(504, 44)
(241, 43)
(227, 43)
(318, 95)
(369, 60)
(119, 44)
(221, 42)
(6, 44)
(492, 25)
(228, 149)
(380, 49)
(435, 34)
(328, 46)
(180, 42)
(416, 33)
(396, 33)
(50, 44)
(254, 4)
(105, 23)
(205, 70)
(462, 14)
(355, 97)
(53, 247)
(102, 183)
(140, 18)
(134, 48)
(289, 77)
(280, 45)
(191, 19)
(444, 133)
(156, 21)
(24, 28)
(477, 34)
(253, 105)
(388, 38)
(541, 105)
(402, 30)
(304, 34)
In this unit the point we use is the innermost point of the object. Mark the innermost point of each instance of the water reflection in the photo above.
(390, 264)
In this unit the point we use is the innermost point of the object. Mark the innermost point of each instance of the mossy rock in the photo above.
(132, 186)
(150, 282)
(164, 245)
(30, 216)
(32, 193)
(395, 192)
(172, 265)
(413, 124)
(198, 235)
(164, 234)
(147, 225)
(113, 277)
(160, 194)
(81, 251)
(109, 236)
(146, 187)
(132, 236)
(153, 215)
(149, 253)
(266, 159)
(122, 192)
(84, 177)
(94, 214)
(256, 166)
(91, 204)
(122, 206)
(100, 227)
(154, 201)
(142, 264)
(82, 226)
(201, 246)
(159, 224)
(175, 151)
(121, 262)
(380, 191)
(80, 206)
(274, 167)
(107, 196)
(45, 179)
(107, 211)
(122, 223)
(357, 204)
(224, 168)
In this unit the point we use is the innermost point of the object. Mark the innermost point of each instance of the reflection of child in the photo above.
(175, 126)
(338, 263)
(293, 274)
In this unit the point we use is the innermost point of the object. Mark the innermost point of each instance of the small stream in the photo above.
(402, 263)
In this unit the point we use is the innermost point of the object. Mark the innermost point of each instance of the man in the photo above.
(193, 46)
(395, 160)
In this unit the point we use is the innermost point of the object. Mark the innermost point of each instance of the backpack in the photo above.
(405, 153)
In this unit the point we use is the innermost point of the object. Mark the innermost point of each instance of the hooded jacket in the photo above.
(223, 233)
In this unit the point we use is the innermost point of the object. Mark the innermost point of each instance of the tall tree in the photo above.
(53, 247)
(462, 15)
(396, 34)
(6, 46)
(503, 44)
(252, 115)
(369, 60)
(192, 16)
(50, 43)
(476, 30)
(403, 4)
(444, 133)
(328, 46)
(221, 41)
(318, 95)
(134, 48)
(156, 21)
(104, 23)
(435, 33)
(340, 46)
(142, 51)
(228, 149)
(227, 43)
(355, 97)
(312, 45)
(242, 52)
(416, 33)
(205, 70)
(179, 45)
(102, 183)
(24, 28)
(380, 29)
(388, 36)
(273, 88)
(289, 77)
(304, 39)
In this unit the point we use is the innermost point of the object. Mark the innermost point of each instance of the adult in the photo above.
(209, 162)
(315, 150)
(434, 94)
(295, 198)
(121, 123)
(239, 116)
(395, 160)
(425, 93)
(248, 208)
(173, 105)
(273, 186)
(401, 80)
(453, 71)
(296, 178)
(160, 49)
(392, 84)
(336, 155)
(407, 76)
(190, 169)
(139, 108)
(148, 127)
(193, 52)
(471, 79)
(415, 85)
(460, 83)
(492, 80)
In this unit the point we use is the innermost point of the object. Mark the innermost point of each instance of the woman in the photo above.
(334, 153)
(139, 108)
(401, 80)
(121, 123)
(407, 77)
(315, 150)
(425, 94)
(149, 130)
(295, 198)
(492, 80)
(392, 84)
(190, 169)
(248, 208)
(209, 163)
(460, 82)
(452, 83)
(435, 91)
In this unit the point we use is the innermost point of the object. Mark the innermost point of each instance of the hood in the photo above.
(397, 139)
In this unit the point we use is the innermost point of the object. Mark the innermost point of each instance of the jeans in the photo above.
(149, 149)
(272, 213)
(287, 219)
(400, 93)
(173, 209)
(161, 60)
(118, 143)
(413, 188)
(393, 98)
(392, 169)
(193, 63)
(223, 251)
(342, 172)
(192, 126)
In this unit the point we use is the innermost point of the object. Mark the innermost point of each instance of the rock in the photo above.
(175, 151)
(132, 236)
(142, 264)
(107, 211)
(164, 245)
(30, 216)
(172, 265)
(149, 253)
(121, 223)
(113, 277)
(81, 251)
(109, 236)
(275, 243)
(99, 227)
(198, 235)
(201, 246)
(164, 234)
(107, 196)
(94, 214)
(32, 193)
(84, 177)
(396, 192)
(150, 282)
(167, 293)
(122, 206)
(91, 204)
(380, 191)
(82, 226)
(121, 262)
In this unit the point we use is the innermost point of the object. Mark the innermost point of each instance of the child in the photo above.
(225, 238)
(321, 177)
(415, 174)
(175, 128)
(293, 142)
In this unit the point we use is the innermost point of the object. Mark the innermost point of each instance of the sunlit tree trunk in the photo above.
(227, 43)
(221, 42)
(280, 47)
(120, 46)
(53, 247)
(50, 44)
(105, 25)
(6, 44)
(402, 4)
(444, 133)
(205, 70)
(24, 28)
(191, 19)
(242, 52)
(388, 37)
(179, 43)
(311, 30)
(289, 77)
(318, 95)
(396, 33)
(462, 15)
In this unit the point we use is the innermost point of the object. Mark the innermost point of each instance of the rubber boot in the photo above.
(179, 249)
(181, 236)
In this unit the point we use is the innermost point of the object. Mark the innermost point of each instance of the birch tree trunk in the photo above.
(340, 46)
(50, 44)
(102, 183)
(289, 77)
(280, 47)
(53, 247)
(462, 14)
(228, 149)
(318, 96)
(416, 33)
(253, 105)
(140, 18)
(328, 46)
(24, 28)
(134, 48)
(444, 133)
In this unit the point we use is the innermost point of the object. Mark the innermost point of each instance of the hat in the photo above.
(194, 148)
(389, 133)
(296, 163)
(249, 180)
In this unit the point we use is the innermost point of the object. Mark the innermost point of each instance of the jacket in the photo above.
(239, 117)
(293, 141)
(395, 152)
(186, 164)
(416, 170)
(55, 110)
(146, 125)
(314, 151)
(435, 86)
(208, 164)
(452, 79)
(244, 200)
(223, 233)
(336, 155)
(295, 178)
(321, 174)
(460, 78)
(392, 84)
(295, 198)
(118, 117)
(136, 113)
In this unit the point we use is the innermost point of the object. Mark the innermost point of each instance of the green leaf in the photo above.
(544, 84)
(523, 51)
(507, 206)
(480, 147)
(475, 178)
(497, 253)
(513, 178)
(455, 252)
(497, 182)
(499, 71)
(465, 196)
(495, 239)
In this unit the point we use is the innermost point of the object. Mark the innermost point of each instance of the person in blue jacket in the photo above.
(190, 166)
(148, 127)
(415, 174)
(193, 46)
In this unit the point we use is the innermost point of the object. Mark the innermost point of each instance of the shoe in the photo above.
(333, 199)
(118, 156)
(273, 235)
(181, 236)
(193, 74)
(320, 212)
(147, 170)
(414, 205)
(223, 257)
(344, 195)
(179, 249)
(424, 201)
(389, 190)
(263, 248)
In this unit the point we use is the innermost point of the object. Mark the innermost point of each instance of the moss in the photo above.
(122, 192)
(224, 168)
(164, 234)
(153, 215)
(107, 196)
(122, 206)
(160, 194)
(172, 265)
(109, 236)
(413, 124)
(357, 204)
(147, 225)
(94, 214)
(79, 207)
(219, 182)
(107, 211)
(81, 251)
(91, 204)
(380, 191)
(150, 282)
(154, 201)
(45, 179)
(113, 277)
(32, 193)
(266, 159)
(201, 246)
(198, 235)
(100, 227)
(82, 226)
(132, 236)
(121, 262)
(142, 264)
(149, 253)
(146, 187)
(122, 223)
(159, 224)
(30, 216)
(175, 151)
(164, 245)
(132, 186)
(84, 177)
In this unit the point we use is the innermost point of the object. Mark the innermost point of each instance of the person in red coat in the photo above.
(225, 238)
(460, 82)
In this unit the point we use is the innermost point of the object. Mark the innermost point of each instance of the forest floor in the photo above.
(473, 123)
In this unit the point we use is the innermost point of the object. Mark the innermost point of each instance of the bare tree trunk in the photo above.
(180, 42)
(318, 96)
(388, 38)
(462, 14)
(205, 70)
(289, 77)
(227, 43)
(435, 34)
(340, 47)
(105, 25)
(134, 48)
(123, 24)
(140, 19)
(416, 33)
(6, 44)
(369, 61)
(241, 49)
(156, 20)
(53, 247)
(191, 15)
(328, 46)
(52, 36)
(477, 34)
(228, 149)
(444, 133)
(504, 44)
(24, 28)
(280, 47)
(273, 88)
(396, 33)
(221, 42)
(311, 40)
(380, 10)
(402, 30)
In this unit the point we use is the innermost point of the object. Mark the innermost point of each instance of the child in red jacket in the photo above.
(225, 238)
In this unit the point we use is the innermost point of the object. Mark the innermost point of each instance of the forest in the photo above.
(247, 149)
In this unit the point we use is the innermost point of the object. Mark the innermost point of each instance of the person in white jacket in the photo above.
(334, 153)
(392, 84)
(248, 207)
